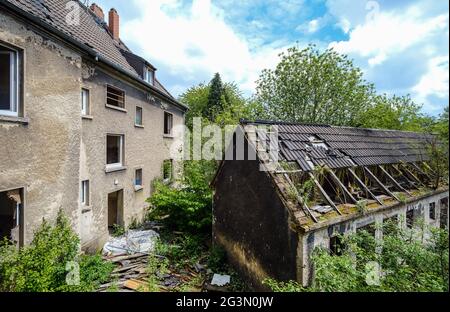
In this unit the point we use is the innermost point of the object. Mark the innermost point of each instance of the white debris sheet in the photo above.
(220, 280)
(134, 241)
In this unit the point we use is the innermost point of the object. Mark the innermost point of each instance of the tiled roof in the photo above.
(340, 147)
(90, 32)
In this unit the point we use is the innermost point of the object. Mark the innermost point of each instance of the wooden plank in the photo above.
(412, 175)
(405, 176)
(380, 184)
(342, 186)
(136, 285)
(422, 172)
(327, 198)
(394, 181)
(361, 183)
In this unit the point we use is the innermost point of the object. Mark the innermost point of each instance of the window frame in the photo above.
(149, 73)
(120, 108)
(141, 124)
(170, 178)
(85, 111)
(136, 185)
(121, 151)
(14, 103)
(432, 211)
(170, 133)
(85, 193)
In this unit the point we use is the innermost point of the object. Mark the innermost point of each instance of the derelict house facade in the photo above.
(85, 125)
(353, 178)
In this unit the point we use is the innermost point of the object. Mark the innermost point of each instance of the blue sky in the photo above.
(401, 46)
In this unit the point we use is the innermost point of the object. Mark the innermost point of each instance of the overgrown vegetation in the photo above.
(403, 261)
(51, 262)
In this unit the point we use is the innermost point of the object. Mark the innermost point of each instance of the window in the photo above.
(390, 225)
(149, 75)
(9, 81)
(85, 102)
(336, 245)
(168, 123)
(85, 193)
(138, 118)
(115, 97)
(114, 150)
(138, 177)
(432, 212)
(167, 170)
(410, 218)
(443, 217)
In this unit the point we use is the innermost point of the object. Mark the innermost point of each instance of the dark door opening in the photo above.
(11, 216)
(115, 209)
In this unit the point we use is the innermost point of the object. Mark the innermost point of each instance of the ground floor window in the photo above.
(11, 215)
(443, 223)
(168, 170)
(85, 193)
(432, 212)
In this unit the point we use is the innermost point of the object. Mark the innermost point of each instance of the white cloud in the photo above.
(197, 43)
(386, 33)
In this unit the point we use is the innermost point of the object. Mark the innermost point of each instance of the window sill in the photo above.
(139, 126)
(114, 168)
(120, 109)
(89, 117)
(168, 136)
(15, 119)
(138, 188)
(84, 210)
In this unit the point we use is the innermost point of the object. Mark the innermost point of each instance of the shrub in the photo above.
(188, 207)
(41, 266)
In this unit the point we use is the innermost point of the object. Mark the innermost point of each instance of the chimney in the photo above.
(114, 23)
(97, 11)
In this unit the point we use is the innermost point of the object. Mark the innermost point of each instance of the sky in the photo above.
(401, 46)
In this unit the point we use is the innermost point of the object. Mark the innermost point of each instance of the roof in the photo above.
(90, 33)
(340, 147)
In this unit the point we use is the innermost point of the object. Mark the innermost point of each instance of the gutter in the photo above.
(90, 52)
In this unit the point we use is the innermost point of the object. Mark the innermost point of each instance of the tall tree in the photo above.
(315, 87)
(216, 98)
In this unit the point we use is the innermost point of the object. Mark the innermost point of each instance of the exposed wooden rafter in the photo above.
(342, 186)
(408, 172)
(361, 183)
(394, 181)
(380, 184)
(325, 195)
(404, 176)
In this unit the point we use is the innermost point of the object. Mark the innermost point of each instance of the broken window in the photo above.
(138, 178)
(444, 213)
(336, 245)
(138, 117)
(115, 97)
(84, 196)
(85, 102)
(114, 150)
(167, 170)
(168, 123)
(432, 212)
(9, 81)
(410, 218)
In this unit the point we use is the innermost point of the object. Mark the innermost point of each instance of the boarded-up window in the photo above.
(115, 97)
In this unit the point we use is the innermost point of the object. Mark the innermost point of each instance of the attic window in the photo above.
(115, 97)
(149, 75)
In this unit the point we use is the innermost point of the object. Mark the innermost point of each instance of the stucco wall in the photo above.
(43, 156)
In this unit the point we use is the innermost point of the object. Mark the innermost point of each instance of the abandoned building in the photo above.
(326, 181)
(85, 125)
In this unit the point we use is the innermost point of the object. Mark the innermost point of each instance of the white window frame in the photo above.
(84, 194)
(14, 83)
(135, 177)
(149, 75)
(120, 163)
(142, 116)
(85, 101)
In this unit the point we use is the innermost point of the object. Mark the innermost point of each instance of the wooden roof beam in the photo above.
(342, 186)
(394, 181)
(325, 195)
(386, 190)
(405, 176)
(364, 187)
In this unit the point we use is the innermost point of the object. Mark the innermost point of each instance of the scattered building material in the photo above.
(134, 241)
(220, 280)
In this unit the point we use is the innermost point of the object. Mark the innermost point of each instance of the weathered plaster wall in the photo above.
(43, 156)
(321, 237)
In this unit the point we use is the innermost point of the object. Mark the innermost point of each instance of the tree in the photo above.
(216, 98)
(313, 87)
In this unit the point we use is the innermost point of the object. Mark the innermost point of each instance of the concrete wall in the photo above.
(321, 237)
(50, 155)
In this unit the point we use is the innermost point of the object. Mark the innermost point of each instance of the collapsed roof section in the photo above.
(335, 173)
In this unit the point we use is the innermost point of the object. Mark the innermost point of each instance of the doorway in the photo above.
(11, 215)
(115, 209)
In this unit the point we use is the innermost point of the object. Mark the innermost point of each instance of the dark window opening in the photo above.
(369, 228)
(114, 149)
(410, 218)
(9, 81)
(167, 170)
(138, 177)
(115, 97)
(115, 209)
(168, 123)
(443, 223)
(336, 245)
(432, 212)
(390, 225)
(11, 216)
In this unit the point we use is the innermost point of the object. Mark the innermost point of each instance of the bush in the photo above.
(188, 207)
(41, 266)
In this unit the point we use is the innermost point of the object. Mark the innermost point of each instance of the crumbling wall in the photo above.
(43, 156)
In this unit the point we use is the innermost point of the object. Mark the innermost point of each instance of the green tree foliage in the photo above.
(409, 261)
(313, 87)
(41, 266)
(216, 98)
(188, 206)
(394, 112)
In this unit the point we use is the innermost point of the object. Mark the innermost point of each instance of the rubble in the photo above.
(134, 241)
